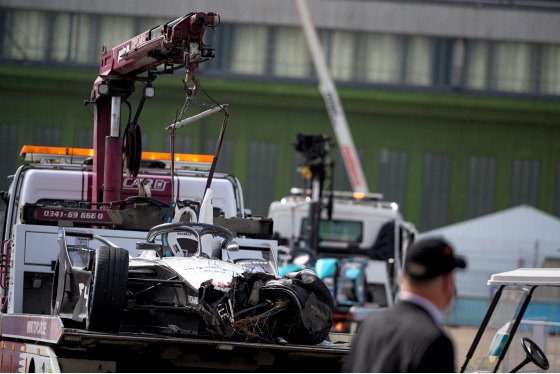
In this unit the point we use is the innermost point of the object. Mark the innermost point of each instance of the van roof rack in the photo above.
(65, 155)
(343, 195)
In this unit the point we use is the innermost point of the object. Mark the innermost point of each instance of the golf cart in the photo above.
(496, 340)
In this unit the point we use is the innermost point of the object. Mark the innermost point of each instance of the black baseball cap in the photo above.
(431, 257)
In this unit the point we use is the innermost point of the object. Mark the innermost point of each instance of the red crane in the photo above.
(176, 44)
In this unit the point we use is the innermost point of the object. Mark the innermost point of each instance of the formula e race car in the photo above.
(196, 280)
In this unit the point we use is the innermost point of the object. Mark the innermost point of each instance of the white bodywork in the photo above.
(527, 277)
(72, 185)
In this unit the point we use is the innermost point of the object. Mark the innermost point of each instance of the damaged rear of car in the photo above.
(190, 279)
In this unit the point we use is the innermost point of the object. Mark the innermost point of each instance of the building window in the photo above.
(261, 176)
(291, 55)
(435, 191)
(419, 60)
(512, 67)
(26, 36)
(502, 66)
(525, 183)
(550, 70)
(85, 45)
(392, 176)
(482, 186)
(383, 55)
(477, 61)
(61, 37)
(114, 30)
(442, 65)
(249, 49)
(341, 54)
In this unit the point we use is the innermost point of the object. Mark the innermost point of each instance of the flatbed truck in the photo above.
(61, 188)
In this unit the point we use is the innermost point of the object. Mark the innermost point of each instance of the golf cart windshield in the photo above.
(494, 337)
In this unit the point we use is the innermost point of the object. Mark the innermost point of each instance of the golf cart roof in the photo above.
(527, 277)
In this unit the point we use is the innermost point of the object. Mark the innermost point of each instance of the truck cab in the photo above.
(54, 190)
(363, 233)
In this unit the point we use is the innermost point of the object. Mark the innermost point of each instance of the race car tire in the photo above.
(108, 289)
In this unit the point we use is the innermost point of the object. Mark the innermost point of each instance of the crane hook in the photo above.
(190, 77)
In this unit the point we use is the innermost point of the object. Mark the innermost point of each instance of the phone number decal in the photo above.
(86, 215)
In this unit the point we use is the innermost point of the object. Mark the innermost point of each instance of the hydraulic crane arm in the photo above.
(332, 101)
(175, 44)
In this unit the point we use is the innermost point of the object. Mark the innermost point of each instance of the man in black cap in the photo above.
(408, 337)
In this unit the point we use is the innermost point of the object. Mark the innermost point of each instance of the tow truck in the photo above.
(354, 241)
(70, 214)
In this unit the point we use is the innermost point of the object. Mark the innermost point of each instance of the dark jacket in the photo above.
(402, 339)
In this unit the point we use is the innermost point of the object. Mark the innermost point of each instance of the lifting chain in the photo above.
(190, 93)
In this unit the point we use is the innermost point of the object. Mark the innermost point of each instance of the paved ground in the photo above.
(462, 337)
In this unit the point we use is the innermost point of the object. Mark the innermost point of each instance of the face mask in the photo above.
(452, 297)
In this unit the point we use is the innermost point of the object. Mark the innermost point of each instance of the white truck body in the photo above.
(363, 227)
(37, 252)
(289, 214)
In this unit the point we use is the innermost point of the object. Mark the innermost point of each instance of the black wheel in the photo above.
(108, 290)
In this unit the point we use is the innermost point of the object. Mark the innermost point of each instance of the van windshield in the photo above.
(337, 230)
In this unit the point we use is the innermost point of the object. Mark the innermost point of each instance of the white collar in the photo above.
(424, 303)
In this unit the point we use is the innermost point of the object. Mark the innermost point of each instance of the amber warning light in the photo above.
(65, 155)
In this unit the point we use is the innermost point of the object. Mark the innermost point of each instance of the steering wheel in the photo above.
(534, 355)
(198, 229)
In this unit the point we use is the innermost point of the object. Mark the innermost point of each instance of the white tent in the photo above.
(522, 236)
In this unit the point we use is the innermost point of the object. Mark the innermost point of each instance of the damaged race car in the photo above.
(190, 279)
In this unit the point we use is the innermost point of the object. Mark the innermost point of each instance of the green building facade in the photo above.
(443, 158)
(451, 122)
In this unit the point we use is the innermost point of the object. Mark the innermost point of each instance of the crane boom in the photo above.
(332, 101)
(175, 44)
